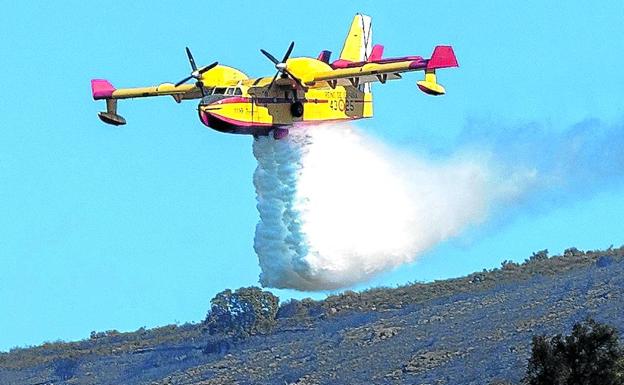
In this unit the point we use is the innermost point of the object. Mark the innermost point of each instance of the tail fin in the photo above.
(359, 42)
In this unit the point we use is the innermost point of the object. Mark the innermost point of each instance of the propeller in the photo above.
(281, 67)
(196, 73)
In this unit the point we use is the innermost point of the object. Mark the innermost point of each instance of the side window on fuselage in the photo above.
(238, 91)
(229, 91)
(219, 91)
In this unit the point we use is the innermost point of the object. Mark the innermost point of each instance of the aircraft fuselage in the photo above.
(258, 110)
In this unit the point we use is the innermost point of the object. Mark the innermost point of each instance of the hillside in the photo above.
(469, 330)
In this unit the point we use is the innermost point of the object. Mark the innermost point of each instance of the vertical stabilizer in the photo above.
(359, 42)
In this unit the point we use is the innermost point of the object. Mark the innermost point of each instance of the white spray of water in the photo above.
(337, 207)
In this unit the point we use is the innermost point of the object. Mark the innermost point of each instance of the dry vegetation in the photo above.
(537, 264)
(301, 313)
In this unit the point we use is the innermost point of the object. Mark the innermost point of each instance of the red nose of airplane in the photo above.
(203, 116)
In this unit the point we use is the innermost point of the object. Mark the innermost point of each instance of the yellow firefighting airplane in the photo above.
(304, 90)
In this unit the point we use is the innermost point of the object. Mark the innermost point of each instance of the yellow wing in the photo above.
(217, 76)
(102, 89)
(367, 73)
(383, 70)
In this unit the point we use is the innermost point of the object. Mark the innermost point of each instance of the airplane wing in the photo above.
(213, 75)
(384, 70)
(103, 89)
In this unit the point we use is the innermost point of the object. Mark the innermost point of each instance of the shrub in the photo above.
(538, 256)
(508, 265)
(572, 252)
(247, 311)
(590, 355)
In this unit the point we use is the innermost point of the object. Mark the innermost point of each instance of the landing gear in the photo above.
(296, 109)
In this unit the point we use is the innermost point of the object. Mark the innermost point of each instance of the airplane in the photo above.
(304, 90)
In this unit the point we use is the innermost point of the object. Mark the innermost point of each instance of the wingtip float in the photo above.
(303, 90)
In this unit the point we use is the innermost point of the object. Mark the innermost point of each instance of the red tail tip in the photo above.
(442, 57)
(101, 89)
(376, 53)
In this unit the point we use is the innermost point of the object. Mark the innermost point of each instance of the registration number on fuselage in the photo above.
(346, 105)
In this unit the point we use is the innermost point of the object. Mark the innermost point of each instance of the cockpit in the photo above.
(216, 93)
(229, 91)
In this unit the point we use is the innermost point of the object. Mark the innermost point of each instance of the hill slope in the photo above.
(469, 330)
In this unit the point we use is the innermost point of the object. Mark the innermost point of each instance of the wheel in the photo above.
(296, 109)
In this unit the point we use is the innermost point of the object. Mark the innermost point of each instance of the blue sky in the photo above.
(104, 227)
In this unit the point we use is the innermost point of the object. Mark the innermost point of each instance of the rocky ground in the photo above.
(472, 336)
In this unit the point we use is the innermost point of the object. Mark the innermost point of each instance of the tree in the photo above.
(247, 311)
(590, 355)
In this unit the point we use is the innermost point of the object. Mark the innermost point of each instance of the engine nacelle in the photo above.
(222, 74)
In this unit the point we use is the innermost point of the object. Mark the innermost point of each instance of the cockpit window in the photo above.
(229, 91)
(218, 91)
(238, 91)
